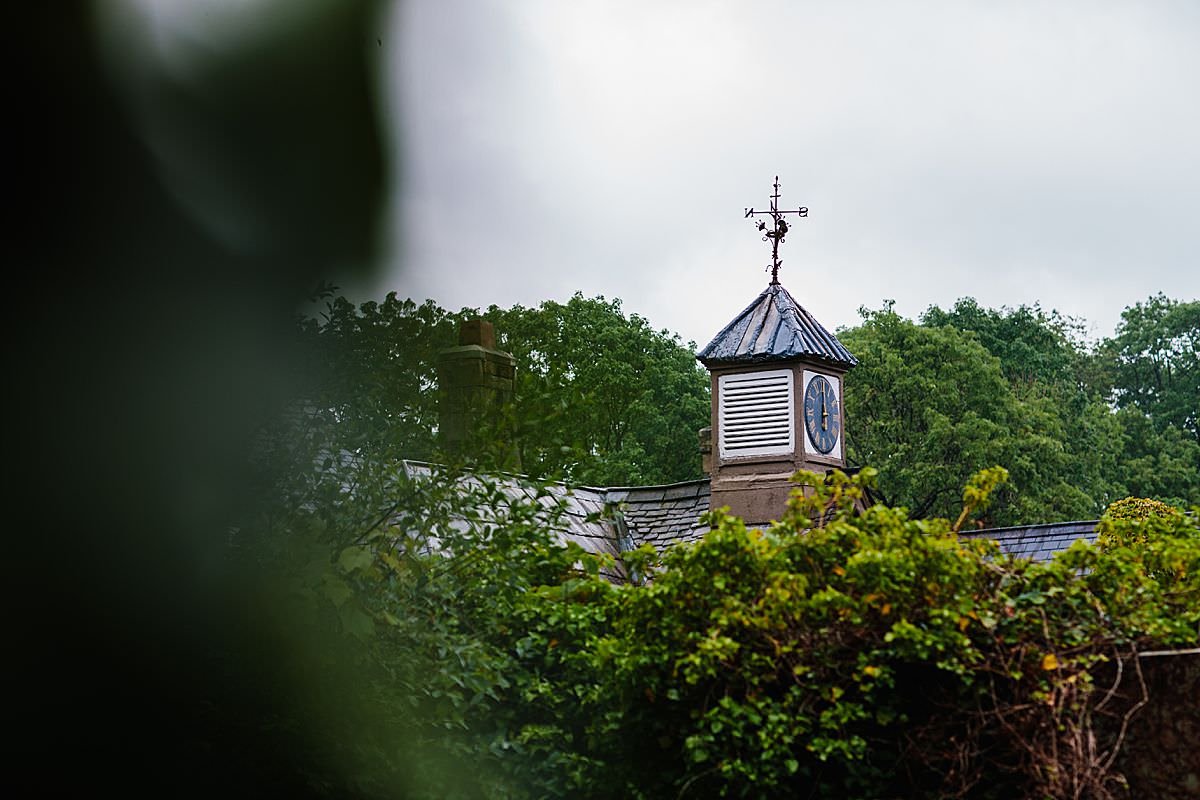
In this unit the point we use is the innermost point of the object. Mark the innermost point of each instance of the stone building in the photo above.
(777, 407)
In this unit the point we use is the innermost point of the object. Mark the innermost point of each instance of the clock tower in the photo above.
(777, 400)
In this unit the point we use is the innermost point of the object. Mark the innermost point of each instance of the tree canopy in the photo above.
(1155, 362)
(601, 397)
(435, 622)
(924, 407)
(1077, 425)
(605, 398)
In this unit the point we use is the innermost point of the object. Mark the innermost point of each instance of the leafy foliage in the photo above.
(1037, 351)
(1146, 531)
(601, 397)
(372, 370)
(1138, 508)
(929, 406)
(615, 402)
(878, 656)
(1151, 534)
(1155, 360)
(1060, 387)
(430, 636)
(833, 654)
(434, 619)
(932, 402)
(1162, 464)
(923, 406)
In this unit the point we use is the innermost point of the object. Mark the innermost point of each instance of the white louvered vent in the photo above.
(756, 414)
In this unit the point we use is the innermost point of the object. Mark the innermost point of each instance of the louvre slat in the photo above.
(757, 413)
(759, 388)
(761, 397)
(766, 435)
(763, 429)
(780, 423)
(751, 402)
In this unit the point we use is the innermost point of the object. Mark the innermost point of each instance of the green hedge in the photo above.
(834, 654)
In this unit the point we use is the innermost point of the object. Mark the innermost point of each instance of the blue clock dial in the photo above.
(822, 414)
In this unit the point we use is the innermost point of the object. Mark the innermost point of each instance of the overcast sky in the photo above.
(1020, 153)
(1015, 152)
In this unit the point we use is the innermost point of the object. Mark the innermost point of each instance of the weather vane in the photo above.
(775, 235)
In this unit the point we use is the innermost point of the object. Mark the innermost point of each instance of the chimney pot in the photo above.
(479, 332)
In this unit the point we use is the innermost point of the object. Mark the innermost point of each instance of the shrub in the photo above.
(873, 655)
(1138, 508)
(833, 654)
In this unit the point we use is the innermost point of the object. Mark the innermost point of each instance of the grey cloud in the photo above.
(1017, 153)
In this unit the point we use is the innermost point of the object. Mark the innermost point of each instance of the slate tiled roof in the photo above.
(662, 515)
(1038, 542)
(772, 328)
(616, 520)
(611, 521)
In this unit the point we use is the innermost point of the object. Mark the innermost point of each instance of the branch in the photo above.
(692, 780)
(392, 509)
(1129, 714)
(1194, 651)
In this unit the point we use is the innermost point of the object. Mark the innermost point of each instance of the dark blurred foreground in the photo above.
(167, 222)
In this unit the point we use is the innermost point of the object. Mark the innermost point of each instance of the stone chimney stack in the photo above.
(475, 387)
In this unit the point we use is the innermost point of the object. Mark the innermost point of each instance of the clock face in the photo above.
(822, 414)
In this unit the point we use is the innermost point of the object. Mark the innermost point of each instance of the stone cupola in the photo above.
(777, 379)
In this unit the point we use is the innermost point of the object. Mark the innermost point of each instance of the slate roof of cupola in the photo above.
(773, 328)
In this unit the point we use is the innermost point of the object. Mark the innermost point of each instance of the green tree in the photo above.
(1155, 362)
(1161, 463)
(601, 397)
(1037, 351)
(373, 367)
(607, 399)
(1055, 376)
(1070, 454)
(925, 406)
(928, 406)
